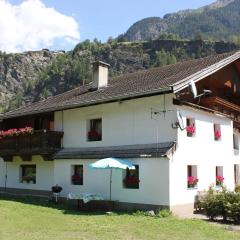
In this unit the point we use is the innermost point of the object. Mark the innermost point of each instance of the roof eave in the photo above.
(100, 101)
(205, 72)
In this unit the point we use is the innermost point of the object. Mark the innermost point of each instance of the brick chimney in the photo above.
(100, 74)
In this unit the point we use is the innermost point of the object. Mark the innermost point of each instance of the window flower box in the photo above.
(94, 136)
(192, 182)
(30, 179)
(219, 180)
(190, 130)
(28, 174)
(77, 179)
(131, 182)
(217, 135)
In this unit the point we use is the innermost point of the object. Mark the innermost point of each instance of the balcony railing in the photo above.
(220, 104)
(45, 143)
(224, 106)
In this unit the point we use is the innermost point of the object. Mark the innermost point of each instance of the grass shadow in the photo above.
(67, 207)
(70, 207)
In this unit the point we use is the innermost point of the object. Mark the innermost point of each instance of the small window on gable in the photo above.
(28, 174)
(131, 179)
(217, 132)
(235, 142)
(219, 176)
(191, 128)
(77, 175)
(94, 128)
(192, 178)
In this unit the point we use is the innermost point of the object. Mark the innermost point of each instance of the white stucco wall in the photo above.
(203, 151)
(162, 181)
(125, 123)
(153, 186)
(44, 174)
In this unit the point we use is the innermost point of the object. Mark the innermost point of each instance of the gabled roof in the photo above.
(171, 78)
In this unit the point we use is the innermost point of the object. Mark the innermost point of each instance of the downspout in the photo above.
(6, 175)
(62, 122)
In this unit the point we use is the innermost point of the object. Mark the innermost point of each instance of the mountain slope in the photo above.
(31, 76)
(215, 21)
(19, 72)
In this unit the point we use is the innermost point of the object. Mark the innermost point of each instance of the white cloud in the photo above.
(32, 26)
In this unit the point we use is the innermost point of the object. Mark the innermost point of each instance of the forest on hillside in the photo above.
(32, 76)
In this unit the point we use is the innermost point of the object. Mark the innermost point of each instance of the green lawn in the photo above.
(20, 220)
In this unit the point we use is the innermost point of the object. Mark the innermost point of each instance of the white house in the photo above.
(177, 124)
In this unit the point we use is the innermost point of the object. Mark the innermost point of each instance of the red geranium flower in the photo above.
(217, 134)
(190, 129)
(219, 180)
(192, 181)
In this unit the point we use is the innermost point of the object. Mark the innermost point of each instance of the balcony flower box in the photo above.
(94, 136)
(31, 142)
(16, 132)
(217, 135)
(131, 182)
(192, 182)
(219, 180)
(190, 130)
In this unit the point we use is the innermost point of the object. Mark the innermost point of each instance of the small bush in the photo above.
(224, 204)
(237, 189)
(233, 211)
(164, 213)
(139, 213)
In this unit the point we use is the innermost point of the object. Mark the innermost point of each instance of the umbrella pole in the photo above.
(111, 184)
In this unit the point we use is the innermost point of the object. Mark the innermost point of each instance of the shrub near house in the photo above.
(224, 204)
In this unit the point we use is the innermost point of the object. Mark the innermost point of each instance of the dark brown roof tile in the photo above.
(145, 82)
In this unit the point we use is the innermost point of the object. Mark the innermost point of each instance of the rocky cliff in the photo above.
(31, 76)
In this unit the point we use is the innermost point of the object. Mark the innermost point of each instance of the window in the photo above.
(237, 174)
(219, 176)
(94, 130)
(44, 122)
(28, 174)
(191, 128)
(235, 142)
(217, 132)
(38, 123)
(77, 175)
(131, 179)
(192, 179)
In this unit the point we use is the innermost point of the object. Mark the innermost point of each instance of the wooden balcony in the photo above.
(223, 106)
(220, 104)
(44, 143)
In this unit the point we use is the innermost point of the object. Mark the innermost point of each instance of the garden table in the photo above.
(91, 200)
(84, 197)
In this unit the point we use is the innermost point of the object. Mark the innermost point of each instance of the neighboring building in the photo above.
(154, 118)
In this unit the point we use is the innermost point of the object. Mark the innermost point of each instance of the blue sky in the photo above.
(105, 18)
(90, 18)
